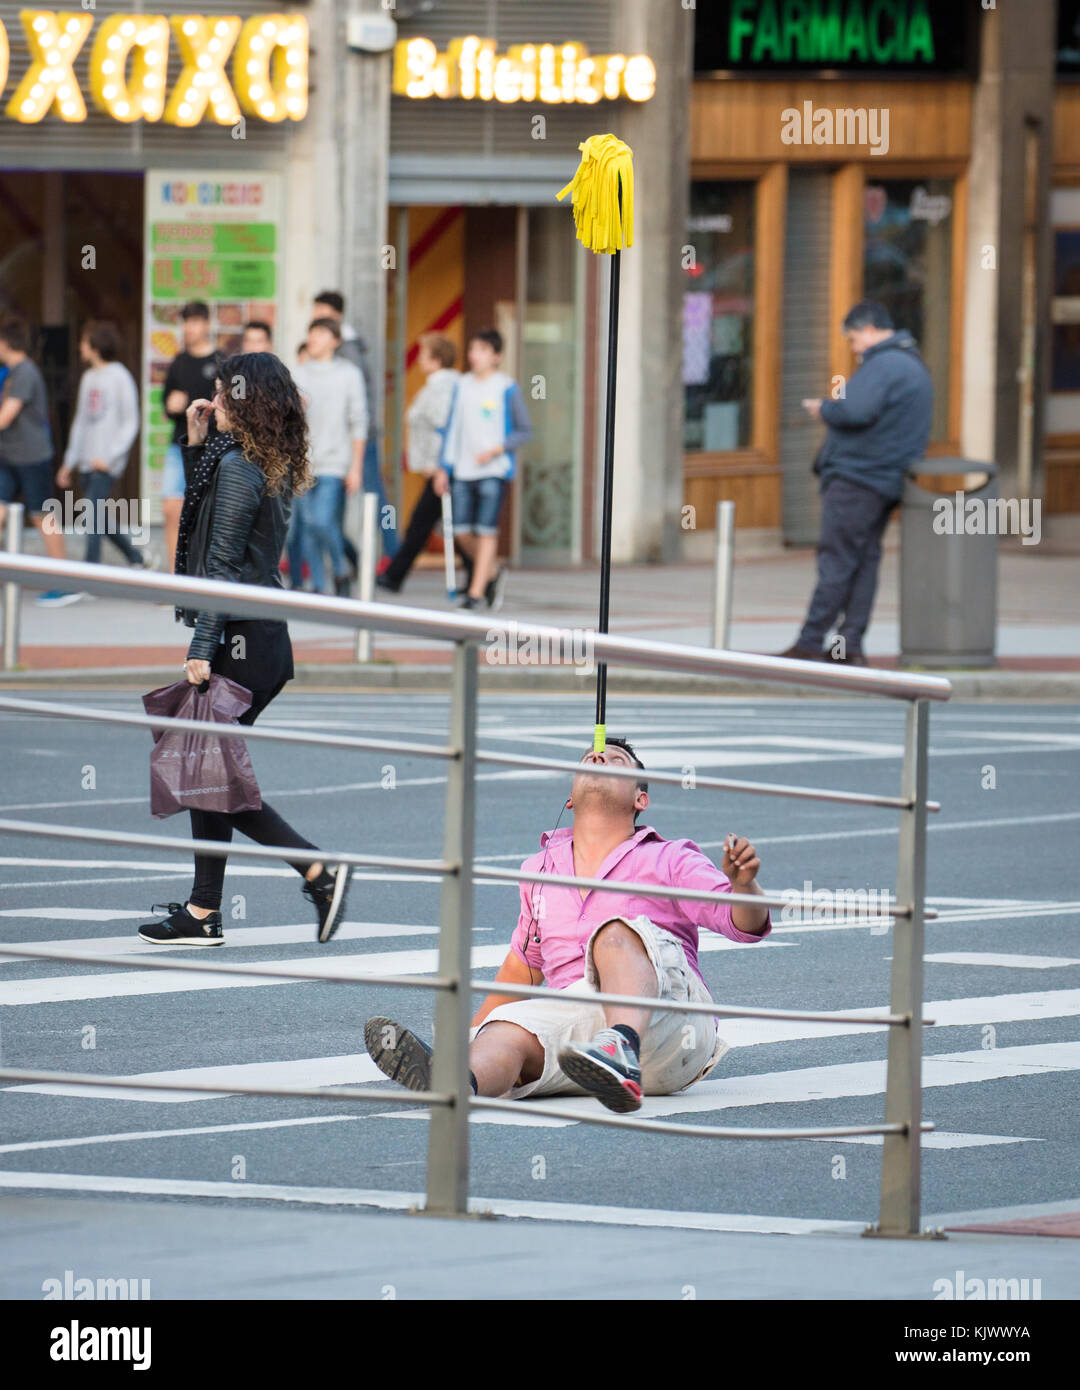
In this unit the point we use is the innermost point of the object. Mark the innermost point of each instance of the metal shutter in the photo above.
(435, 128)
(805, 356)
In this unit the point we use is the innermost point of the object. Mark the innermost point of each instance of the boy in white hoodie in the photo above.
(102, 433)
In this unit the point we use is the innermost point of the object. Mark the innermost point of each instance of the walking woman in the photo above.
(241, 478)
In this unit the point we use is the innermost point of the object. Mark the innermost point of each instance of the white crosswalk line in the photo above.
(803, 1085)
(125, 983)
(306, 1071)
(1009, 961)
(236, 937)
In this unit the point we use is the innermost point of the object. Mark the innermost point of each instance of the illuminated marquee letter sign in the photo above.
(49, 84)
(129, 62)
(473, 70)
(148, 40)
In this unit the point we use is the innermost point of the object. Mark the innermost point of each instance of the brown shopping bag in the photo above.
(191, 771)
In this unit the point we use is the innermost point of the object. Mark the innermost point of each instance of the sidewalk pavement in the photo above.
(1038, 625)
(264, 1250)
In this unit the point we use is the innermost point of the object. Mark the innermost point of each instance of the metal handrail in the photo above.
(451, 1098)
(426, 750)
(249, 601)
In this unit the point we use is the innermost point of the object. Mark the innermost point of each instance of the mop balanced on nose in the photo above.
(603, 205)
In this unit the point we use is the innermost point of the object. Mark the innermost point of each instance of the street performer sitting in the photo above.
(586, 941)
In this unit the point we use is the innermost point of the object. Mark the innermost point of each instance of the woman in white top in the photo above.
(426, 419)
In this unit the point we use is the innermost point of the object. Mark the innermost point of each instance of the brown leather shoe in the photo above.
(852, 659)
(801, 654)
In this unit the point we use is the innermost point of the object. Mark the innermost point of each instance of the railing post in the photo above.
(448, 1131)
(13, 544)
(899, 1213)
(369, 540)
(722, 582)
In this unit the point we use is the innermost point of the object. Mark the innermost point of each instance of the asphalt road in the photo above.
(1002, 978)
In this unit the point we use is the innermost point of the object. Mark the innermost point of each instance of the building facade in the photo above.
(919, 153)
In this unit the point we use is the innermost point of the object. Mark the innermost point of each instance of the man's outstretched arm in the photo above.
(514, 971)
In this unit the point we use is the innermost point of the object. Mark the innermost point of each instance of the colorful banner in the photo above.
(209, 236)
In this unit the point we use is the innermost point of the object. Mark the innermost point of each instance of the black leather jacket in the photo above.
(238, 535)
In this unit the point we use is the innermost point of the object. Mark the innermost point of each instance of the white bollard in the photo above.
(13, 544)
(725, 560)
(369, 542)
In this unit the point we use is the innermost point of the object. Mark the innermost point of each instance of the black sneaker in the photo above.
(493, 593)
(398, 1053)
(328, 892)
(382, 581)
(180, 927)
(343, 586)
(469, 602)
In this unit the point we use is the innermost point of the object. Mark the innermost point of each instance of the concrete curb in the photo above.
(553, 680)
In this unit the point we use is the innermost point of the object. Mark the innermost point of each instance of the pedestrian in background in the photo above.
(488, 424)
(331, 304)
(258, 337)
(336, 405)
(190, 377)
(426, 419)
(241, 480)
(876, 430)
(26, 446)
(104, 429)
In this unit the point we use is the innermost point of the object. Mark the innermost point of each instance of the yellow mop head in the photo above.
(605, 164)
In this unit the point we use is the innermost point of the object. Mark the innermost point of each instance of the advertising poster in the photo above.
(214, 237)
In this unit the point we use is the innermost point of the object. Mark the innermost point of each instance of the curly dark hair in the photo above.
(266, 415)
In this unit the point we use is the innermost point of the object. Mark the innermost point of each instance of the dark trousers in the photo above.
(96, 486)
(258, 656)
(426, 515)
(853, 521)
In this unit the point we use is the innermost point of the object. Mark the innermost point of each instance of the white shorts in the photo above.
(677, 1049)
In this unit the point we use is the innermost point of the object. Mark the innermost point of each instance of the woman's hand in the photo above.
(198, 421)
(196, 670)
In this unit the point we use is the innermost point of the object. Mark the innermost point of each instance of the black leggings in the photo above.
(265, 826)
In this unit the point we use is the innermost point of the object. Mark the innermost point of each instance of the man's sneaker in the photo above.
(608, 1068)
(469, 602)
(398, 1053)
(848, 659)
(328, 892)
(343, 586)
(57, 598)
(181, 928)
(383, 582)
(494, 592)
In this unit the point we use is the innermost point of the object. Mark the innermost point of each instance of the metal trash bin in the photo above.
(948, 564)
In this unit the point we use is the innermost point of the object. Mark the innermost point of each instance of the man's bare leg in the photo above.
(623, 966)
(501, 1055)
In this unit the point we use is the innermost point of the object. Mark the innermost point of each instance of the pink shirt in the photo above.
(563, 921)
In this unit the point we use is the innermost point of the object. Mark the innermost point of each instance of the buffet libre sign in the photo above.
(269, 67)
(472, 69)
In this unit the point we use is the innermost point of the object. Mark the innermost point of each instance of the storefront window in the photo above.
(907, 267)
(718, 316)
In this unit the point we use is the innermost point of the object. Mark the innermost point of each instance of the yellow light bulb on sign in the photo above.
(202, 70)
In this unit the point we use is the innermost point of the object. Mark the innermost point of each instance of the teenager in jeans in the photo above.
(190, 377)
(102, 433)
(240, 483)
(337, 414)
(26, 449)
(488, 424)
